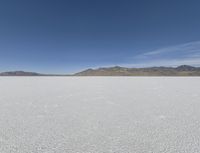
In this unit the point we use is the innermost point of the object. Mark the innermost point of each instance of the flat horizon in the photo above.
(63, 74)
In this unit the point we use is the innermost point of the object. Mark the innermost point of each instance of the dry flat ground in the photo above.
(99, 114)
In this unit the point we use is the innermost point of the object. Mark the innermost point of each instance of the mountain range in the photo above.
(183, 70)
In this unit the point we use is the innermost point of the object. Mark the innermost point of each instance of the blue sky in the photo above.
(65, 36)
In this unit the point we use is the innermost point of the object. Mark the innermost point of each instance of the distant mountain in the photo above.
(25, 73)
(187, 68)
(20, 73)
(183, 70)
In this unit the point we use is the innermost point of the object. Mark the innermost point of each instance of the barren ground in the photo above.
(100, 114)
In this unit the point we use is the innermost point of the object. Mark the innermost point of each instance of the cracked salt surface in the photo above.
(99, 114)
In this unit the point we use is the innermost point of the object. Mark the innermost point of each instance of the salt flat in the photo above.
(99, 114)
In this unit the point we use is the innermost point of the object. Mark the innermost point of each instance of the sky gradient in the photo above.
(65, 36)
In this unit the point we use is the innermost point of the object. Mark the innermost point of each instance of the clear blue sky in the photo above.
(63, 36)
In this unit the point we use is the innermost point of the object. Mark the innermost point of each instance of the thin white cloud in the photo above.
(188, 53)
(191, 47)
(168, 62)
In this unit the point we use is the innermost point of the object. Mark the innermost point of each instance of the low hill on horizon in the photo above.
(20, 73)
(183, 70)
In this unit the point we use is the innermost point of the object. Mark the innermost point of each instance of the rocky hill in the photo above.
(183, 70)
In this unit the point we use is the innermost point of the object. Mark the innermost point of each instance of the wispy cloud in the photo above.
(188, 53)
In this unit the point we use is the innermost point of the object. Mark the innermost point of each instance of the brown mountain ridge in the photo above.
(183, 70)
